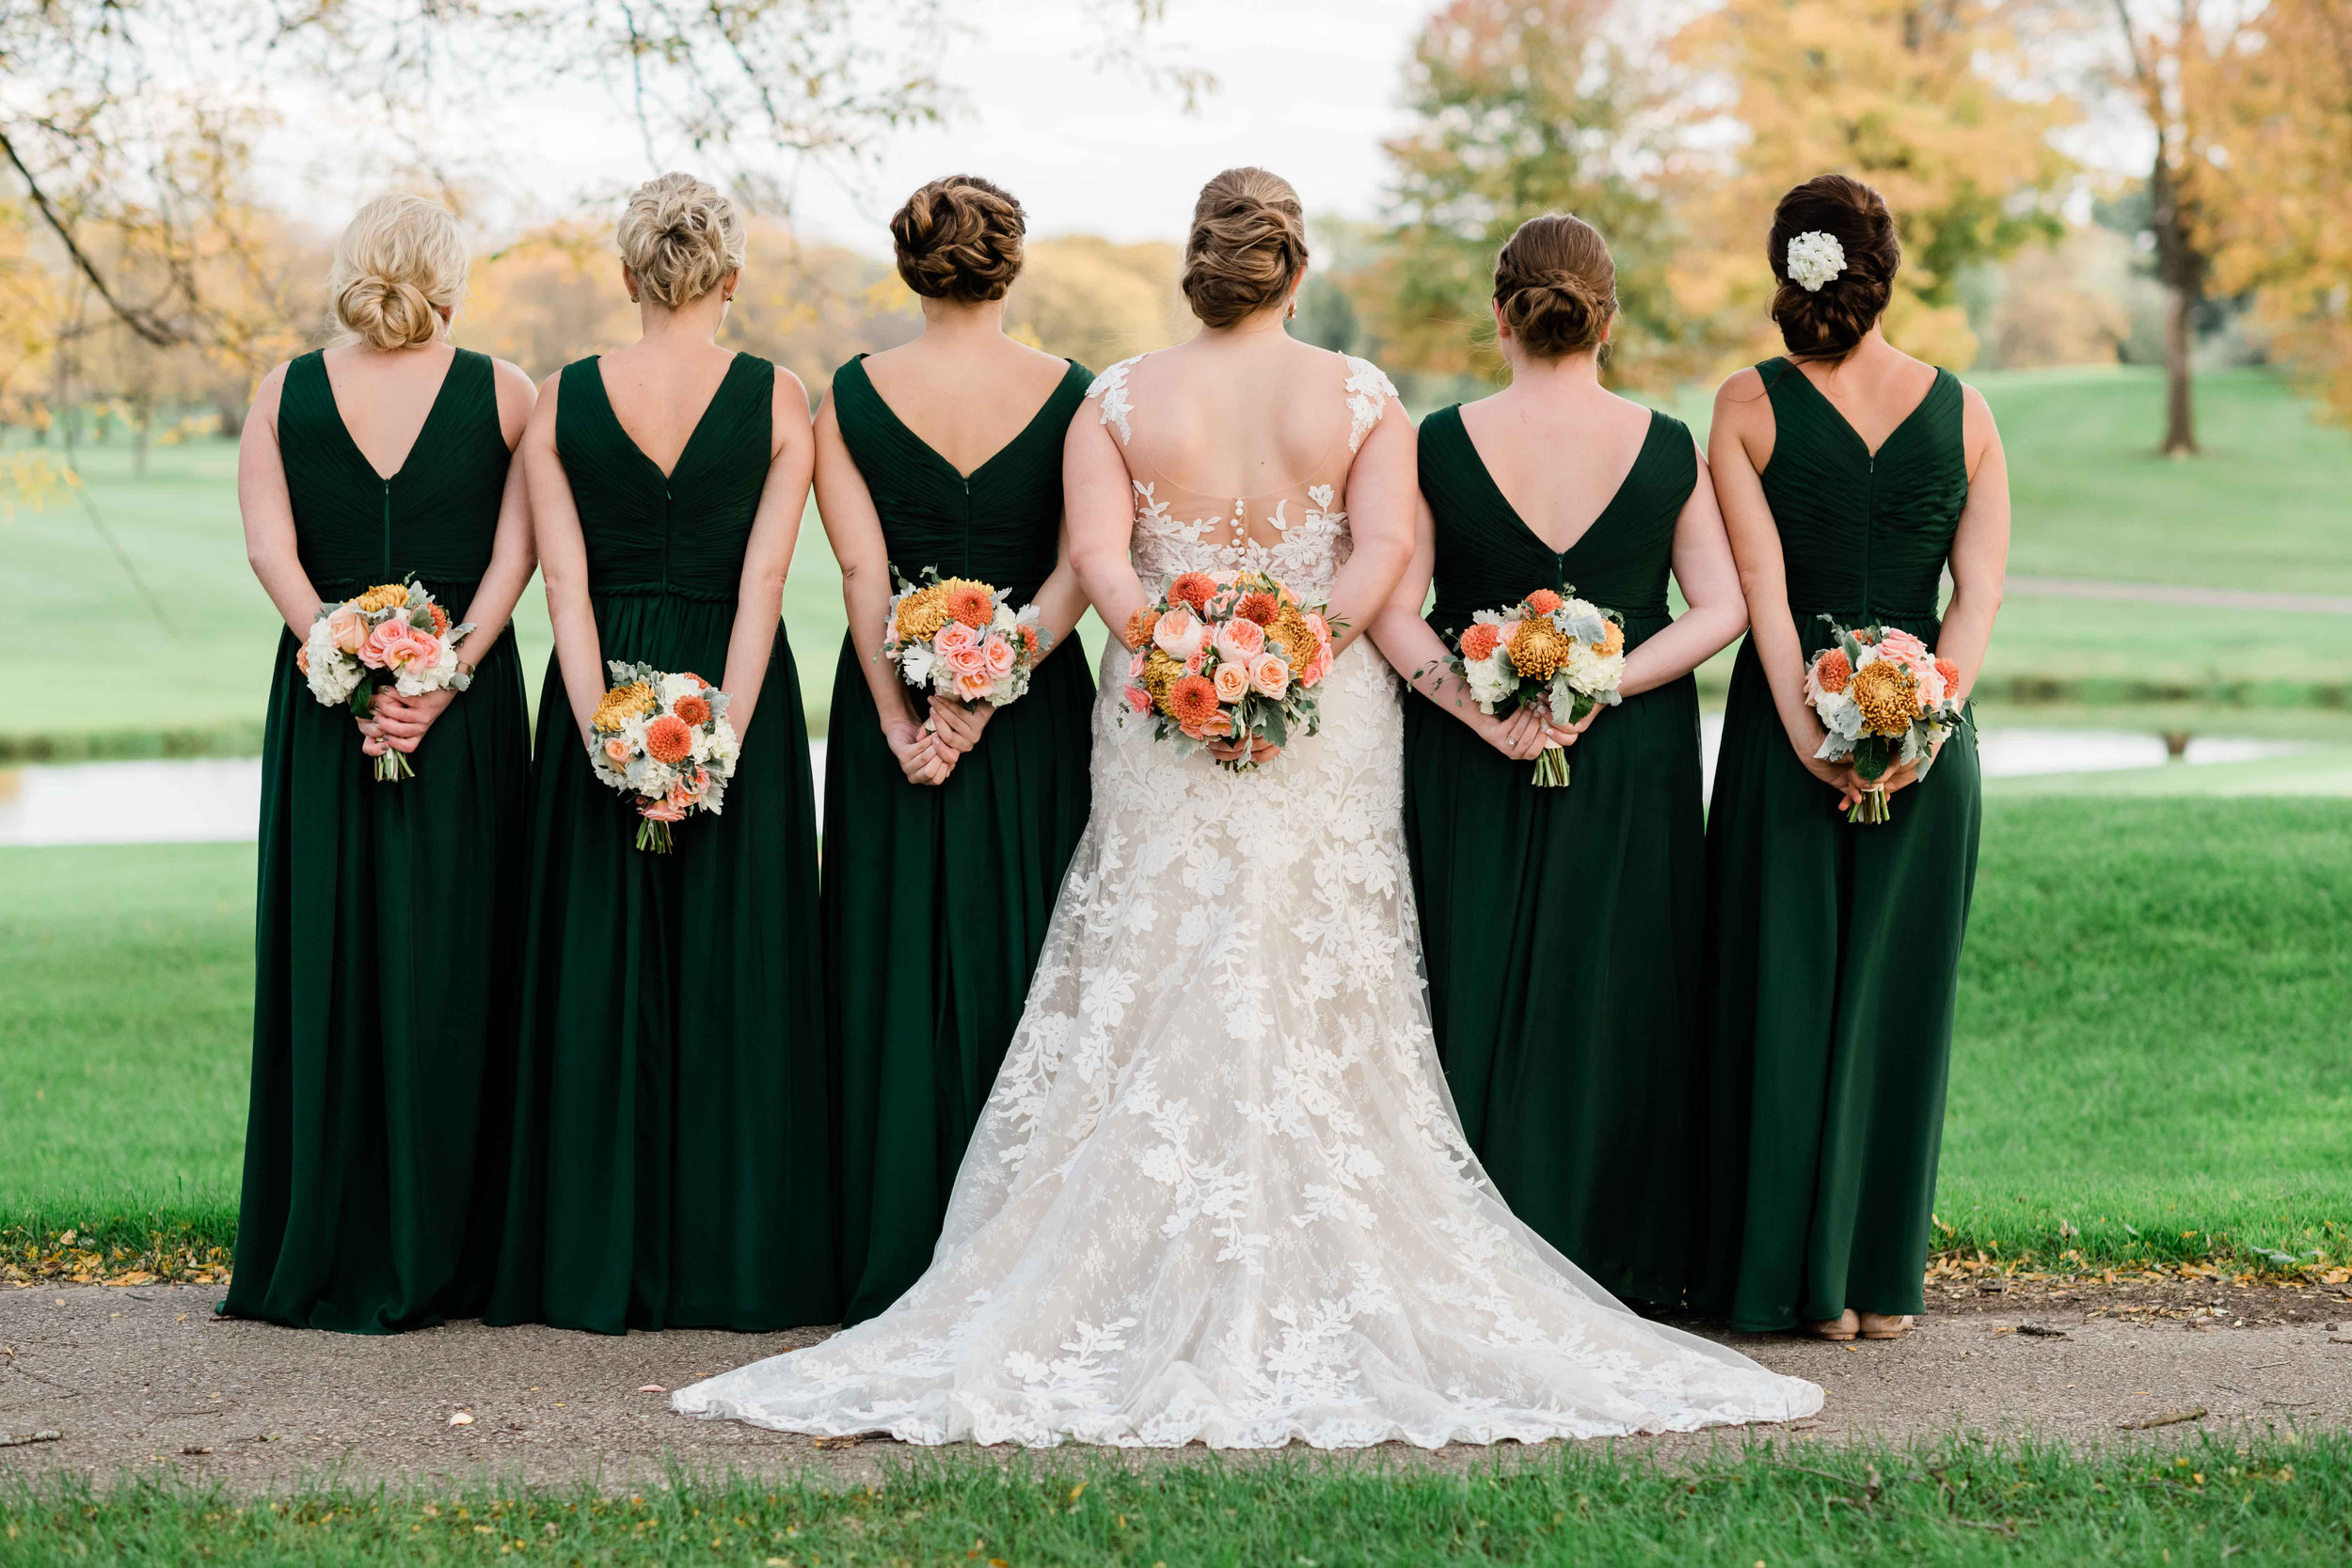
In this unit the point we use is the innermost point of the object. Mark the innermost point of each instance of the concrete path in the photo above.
(2255, 600)
(146, 1378)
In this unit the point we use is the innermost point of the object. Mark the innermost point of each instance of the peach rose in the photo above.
(302, 660)
(1138, 699)
(1270, 676)
(967, 661)
(1902, 645)
(1232, 681)
(1240, 640)
(1136, 664)
(999, 656)
(975, 687)
(617, 751)
(375, 652)
(953, 637)
(1317, 667)
(347, 628)
(1198, 662)
(1180, 633)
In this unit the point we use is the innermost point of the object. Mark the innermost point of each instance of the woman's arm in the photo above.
(1419, 653)
(267, 507)
(853, 528)
(1099, 512)
(405, 720)
(1739, 445)
(768, 554)
(1979, 547)
(1709, 580)
(1383, 502)
(563, 561)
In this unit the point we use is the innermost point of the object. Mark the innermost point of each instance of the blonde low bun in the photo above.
(398, 267)
(1247, 248)
(679, 238)
(1556, 286)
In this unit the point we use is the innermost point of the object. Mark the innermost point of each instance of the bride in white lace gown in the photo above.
(1220, 1193)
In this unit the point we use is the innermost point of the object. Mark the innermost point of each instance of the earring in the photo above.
(1291, 313)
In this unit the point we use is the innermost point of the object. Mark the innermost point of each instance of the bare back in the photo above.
(660, 390)
(965, 395)
(385, 396)
(1559, 455)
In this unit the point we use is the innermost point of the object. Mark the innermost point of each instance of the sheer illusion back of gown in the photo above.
(1220, 1193)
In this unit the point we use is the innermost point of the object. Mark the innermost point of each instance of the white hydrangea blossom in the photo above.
(1814, 258)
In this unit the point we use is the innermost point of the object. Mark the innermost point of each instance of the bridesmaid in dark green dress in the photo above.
(1851, 476)
(963, 819)
(389, 913)
(672, 1166)
(1560, 927)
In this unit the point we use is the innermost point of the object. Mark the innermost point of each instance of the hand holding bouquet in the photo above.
(1885, 699)
(666, 739)
(1233, 657)
(1550, 651)
(959, 639)
(392, 634)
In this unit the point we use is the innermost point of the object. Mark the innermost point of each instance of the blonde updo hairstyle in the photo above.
(397, 267)
(1556, 287)
(959, 238)
(1248, 246)
(679, 239)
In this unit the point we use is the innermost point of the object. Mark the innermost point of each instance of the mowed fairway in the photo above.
(2153, 1056)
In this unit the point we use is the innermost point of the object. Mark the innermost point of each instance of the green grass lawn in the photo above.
(2264, 509)
(2277, 1499)
(2154, 1034)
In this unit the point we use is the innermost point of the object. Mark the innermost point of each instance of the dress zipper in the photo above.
(387, 529)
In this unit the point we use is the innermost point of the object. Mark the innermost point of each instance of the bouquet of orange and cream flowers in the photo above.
(1550, 651)
(1885, 699)
(392, 634)
(666, 739)
(1233, 657)
(959, 638)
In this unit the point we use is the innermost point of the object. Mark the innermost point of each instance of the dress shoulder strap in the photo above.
(1770, 371)
(1111, 386)
(1369, 391)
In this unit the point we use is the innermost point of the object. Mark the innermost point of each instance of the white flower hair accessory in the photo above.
(1814, 258)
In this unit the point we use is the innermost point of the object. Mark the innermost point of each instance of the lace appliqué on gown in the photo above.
(1219, 1191)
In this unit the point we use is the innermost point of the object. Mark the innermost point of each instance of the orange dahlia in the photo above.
(972, 603)
(1612, 639)
(1543, 601)
(668, 740)
(1833, 671)
(1538, 650)
(1480, 641)
(1888, 695)
(1192, 700)
(441, 620)
(694, 710)
(1262, 608)
(1951, 673)
(1195, 589)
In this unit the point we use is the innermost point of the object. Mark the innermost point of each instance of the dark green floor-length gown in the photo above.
(937, 896)
(386, 938)
(1561, 926)
(673, 1165)
(1834, 947)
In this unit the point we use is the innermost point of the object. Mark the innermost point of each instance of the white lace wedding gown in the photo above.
(1219, 1191)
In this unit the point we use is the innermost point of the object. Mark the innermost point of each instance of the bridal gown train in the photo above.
(1219, 1191)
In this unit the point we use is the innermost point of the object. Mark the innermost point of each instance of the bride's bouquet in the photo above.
(1885, 699)
(666, 739)
(1233, 657)
(392, 634)
(1549, 651)
(959, 638)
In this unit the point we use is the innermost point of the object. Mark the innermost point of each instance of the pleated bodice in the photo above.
(437, 517)
(680, 534)
(1487, 557)
(1000, 524)
(1865, 536)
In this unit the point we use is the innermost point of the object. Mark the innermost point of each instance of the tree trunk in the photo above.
(2180, 415)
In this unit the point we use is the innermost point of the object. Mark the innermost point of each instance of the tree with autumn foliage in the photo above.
(1929, 101)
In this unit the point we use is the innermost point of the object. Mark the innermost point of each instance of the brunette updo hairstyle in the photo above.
(959, 238)
(1248, 246)
(679, 239)
(1556, 286)
(397, 267)
(1827, 322)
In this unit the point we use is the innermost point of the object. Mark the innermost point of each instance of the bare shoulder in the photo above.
(791, 393)
(513, 381)
(1742, 387)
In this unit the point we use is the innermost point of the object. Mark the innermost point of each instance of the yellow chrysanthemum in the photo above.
(1538, 649)
(382, 596)
(623, 702)
(922, 612)
(1289, 636)
(1888, 695)
(1160, 673)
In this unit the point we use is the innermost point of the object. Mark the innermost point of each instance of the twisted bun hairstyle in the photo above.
(960, 239)
(1248, 246)
(397, 267)
(1556, 286)
(679, 238)
(1826, 322)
